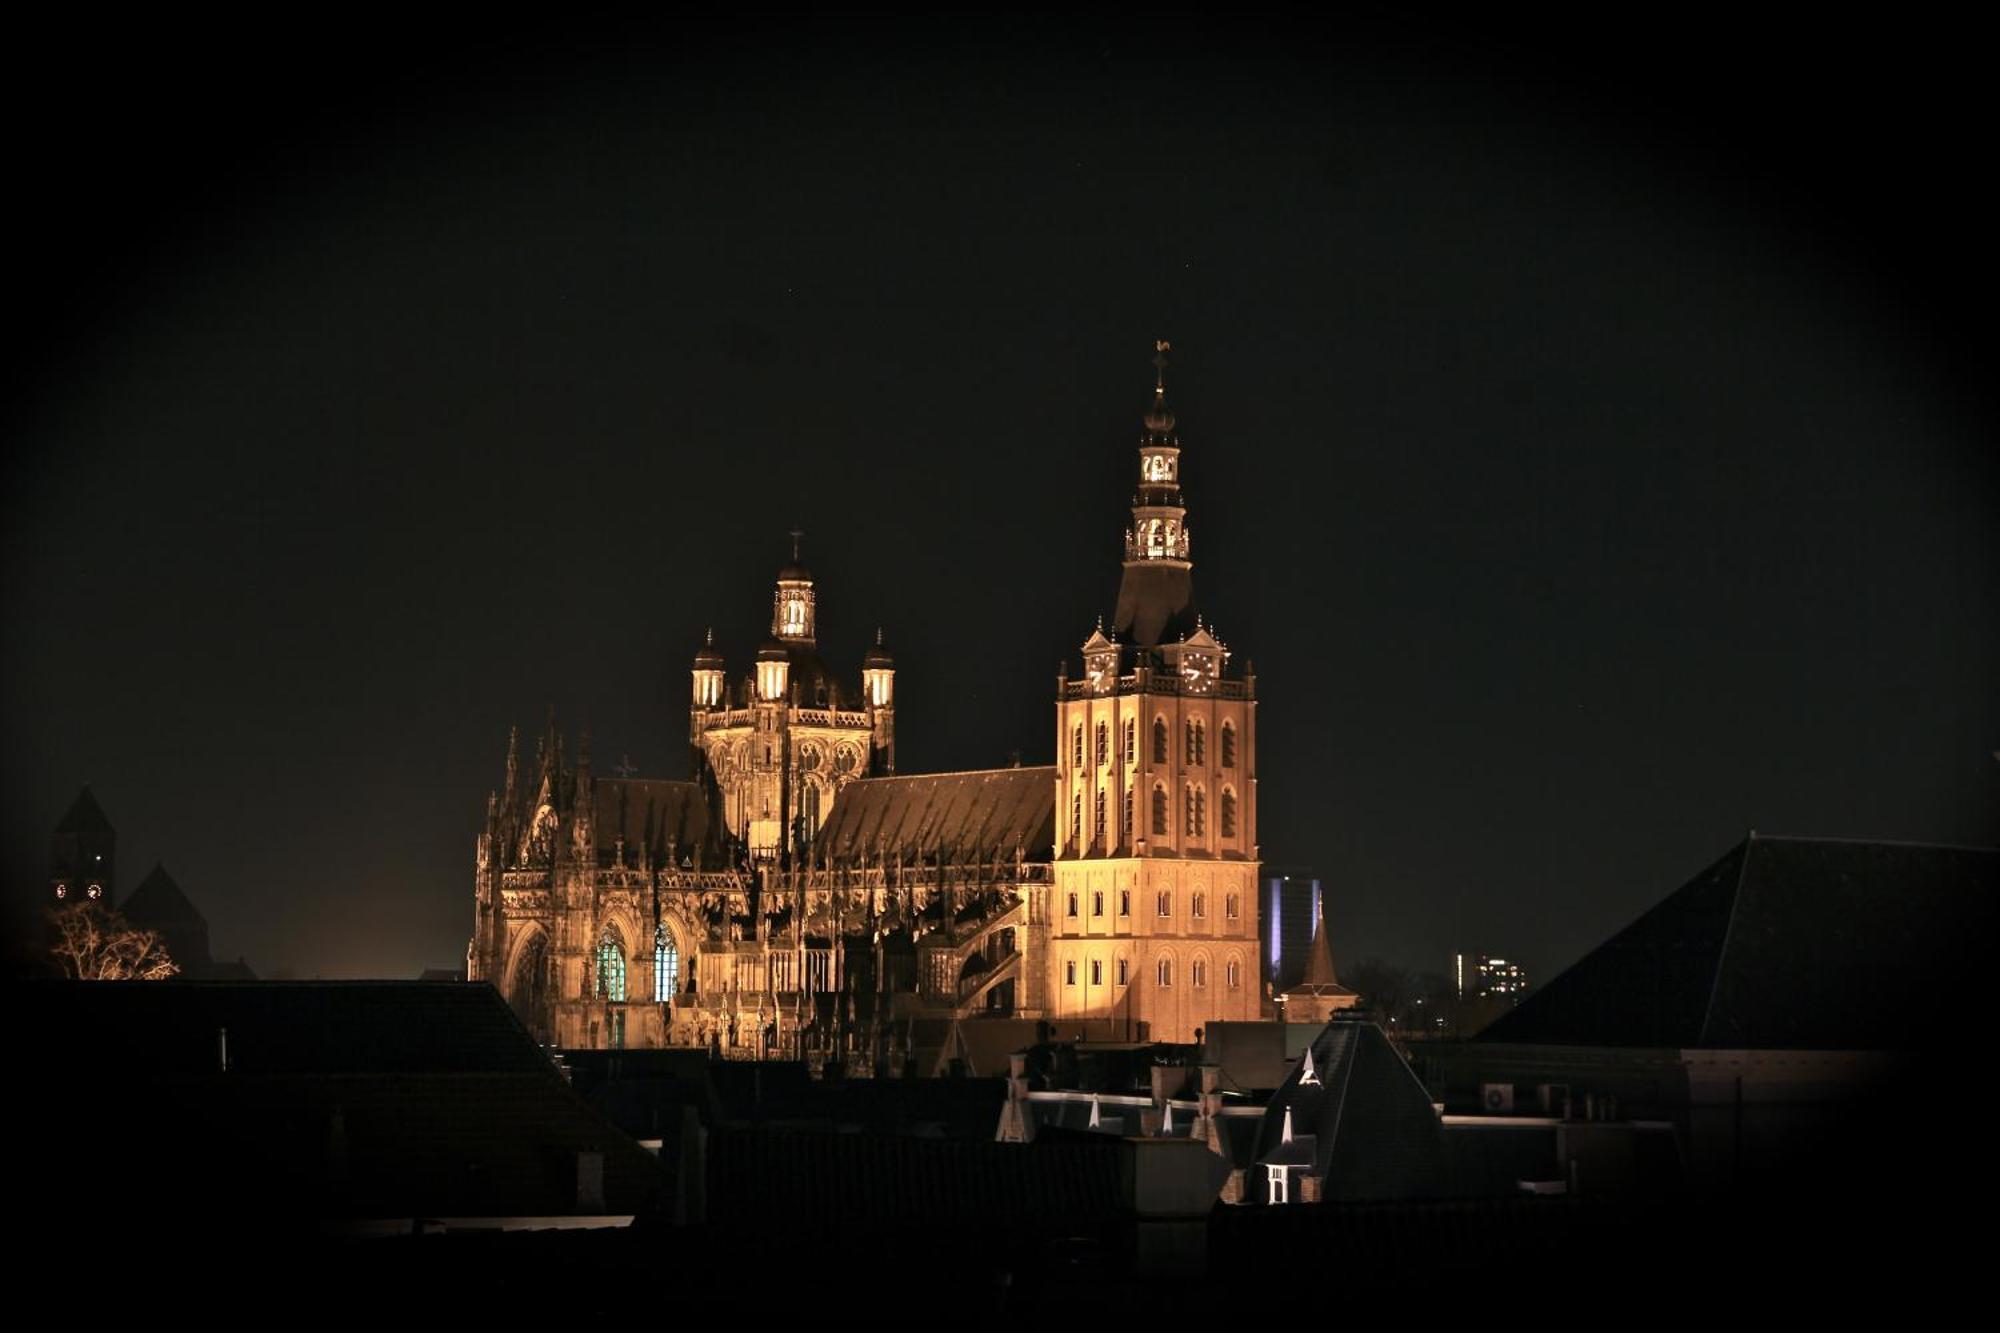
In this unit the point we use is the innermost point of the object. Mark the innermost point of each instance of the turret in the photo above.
(792, 604)
(1156, 595)
(878, 690)
(774, 669)
(707, 674)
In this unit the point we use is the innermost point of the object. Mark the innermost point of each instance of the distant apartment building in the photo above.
(1478, 976)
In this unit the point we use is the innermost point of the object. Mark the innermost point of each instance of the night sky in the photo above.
(1585, 436)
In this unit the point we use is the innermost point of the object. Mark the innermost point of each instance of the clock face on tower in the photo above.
(1198, 669)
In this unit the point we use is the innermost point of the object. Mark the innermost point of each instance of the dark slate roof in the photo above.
(984, 815)
(85, 815)
(816, 1181)
(1375, 1132)
(341, 1099)
(158, 902)
(279, 1027)
(1155, 603)
(652, 812)
(1783, 944)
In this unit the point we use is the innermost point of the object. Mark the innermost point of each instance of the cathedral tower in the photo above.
(1154, 917)
(781, 744)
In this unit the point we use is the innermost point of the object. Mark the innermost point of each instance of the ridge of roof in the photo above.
(959, 773)
(1755, 836)
(1728, 933)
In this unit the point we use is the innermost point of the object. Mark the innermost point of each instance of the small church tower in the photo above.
(1153, 922)
(83, 865)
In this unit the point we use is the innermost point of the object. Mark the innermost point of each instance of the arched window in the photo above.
(1159, 740)
(1131, 741)
(1229, 745)
(610, 969)
(1234, 973)
(1197, 742)
(1126, 828)
(1072, 904)
(1076, 746)
(1197, 811)
(1103, 744)
(1228, 812)
(666, 965)
(1076, 816)
(1198, 973)
(1100, 816)
(1069, 973)
(1096, 972)
(1123, 975)
(1164, 972)
(1159, 811)
(812, 806)
(1198, 905)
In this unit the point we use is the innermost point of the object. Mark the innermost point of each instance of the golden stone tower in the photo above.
(1153, 916)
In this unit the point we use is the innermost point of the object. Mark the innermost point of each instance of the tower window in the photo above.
(1229, 745)
(1196, 803)
(1198, 905)
(1123, 976)
(1232, 906)
(1076, 817)
(1103, 744)
(1197, 742)
(1124, 902)
(1127, 827)
(1096, 972)
(1159, 740)
(1076, 746)
(1069, 973)
(1228, 813)
(1164, 973)
(1097, 903)
(1233, 972)
(1072, 905)
(1160, 812)
(1131, 741)
(1198, 973)
(1163, 903)
(1100, 816)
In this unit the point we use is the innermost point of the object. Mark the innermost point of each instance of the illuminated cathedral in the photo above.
(798, 897)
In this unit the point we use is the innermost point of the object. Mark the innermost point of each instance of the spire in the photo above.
(1319, 956)
(1156, 594)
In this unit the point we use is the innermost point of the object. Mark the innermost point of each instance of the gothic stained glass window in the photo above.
(610, 971)
(666, 966)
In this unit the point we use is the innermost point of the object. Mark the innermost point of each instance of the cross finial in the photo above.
(878, 636)
(796, 534)
(1160, 349)
(708, 636)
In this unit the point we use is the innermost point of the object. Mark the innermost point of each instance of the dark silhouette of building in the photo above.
(83, 864)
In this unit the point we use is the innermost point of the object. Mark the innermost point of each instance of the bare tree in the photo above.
(93, 943)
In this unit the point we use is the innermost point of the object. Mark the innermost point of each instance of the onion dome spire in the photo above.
(707, 656)
(1156, 594)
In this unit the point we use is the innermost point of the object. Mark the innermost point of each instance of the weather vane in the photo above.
(1160, 349)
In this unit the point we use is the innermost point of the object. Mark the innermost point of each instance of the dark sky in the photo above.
(1585, 433)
